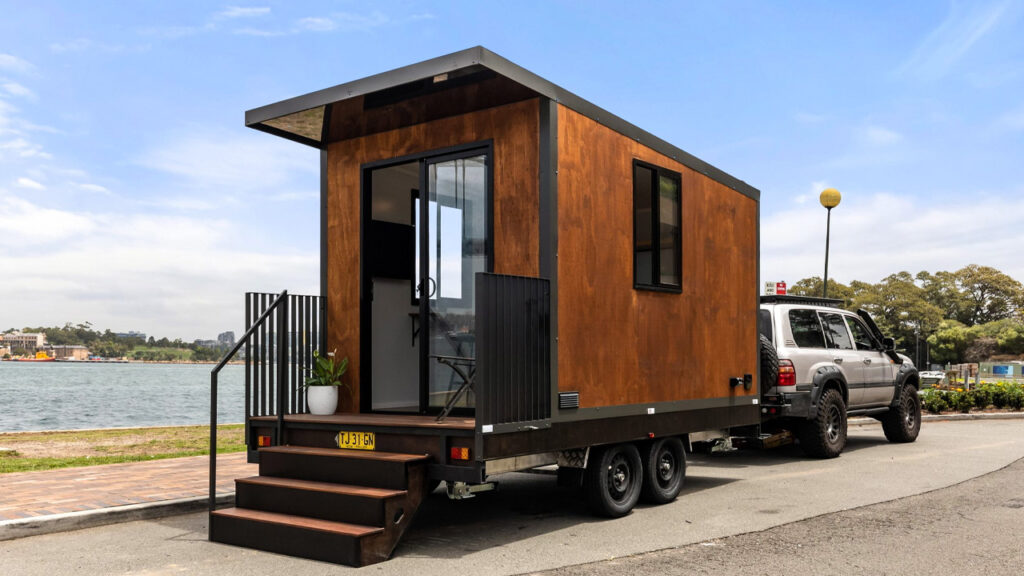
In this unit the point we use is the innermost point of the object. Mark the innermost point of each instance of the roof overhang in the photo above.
(449, 85)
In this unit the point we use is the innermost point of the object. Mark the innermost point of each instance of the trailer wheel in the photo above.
(613, 479)
(664, 470)
(769, 375)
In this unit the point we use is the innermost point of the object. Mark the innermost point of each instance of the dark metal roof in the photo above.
(476, 58)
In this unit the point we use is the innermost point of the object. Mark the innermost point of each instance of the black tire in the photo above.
(903, 422)
(613, 479)
(664, 462)
(769, 374)
(825, 436)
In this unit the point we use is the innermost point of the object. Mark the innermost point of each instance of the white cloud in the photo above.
(29, 183)
(243, 12)
(231, 163)
(15, 89)
(95, 188)
(14, 64)
(1012, 121)
(947, 44)
(166, 275)
(878, 136)
(880, 234)
(316, 24)
(21, 148)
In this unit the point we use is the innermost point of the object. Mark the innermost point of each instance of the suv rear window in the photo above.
(806, 329)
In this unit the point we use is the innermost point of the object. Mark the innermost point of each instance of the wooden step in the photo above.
(337, 542)
(369, 468)
(324, 500)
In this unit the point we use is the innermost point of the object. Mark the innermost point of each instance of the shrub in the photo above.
(934, 401)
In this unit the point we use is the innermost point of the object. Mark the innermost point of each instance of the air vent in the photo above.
(568, 400)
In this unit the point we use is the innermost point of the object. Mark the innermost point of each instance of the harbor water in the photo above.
(76, 396)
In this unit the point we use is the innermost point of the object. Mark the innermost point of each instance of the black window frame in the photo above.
(657, 172)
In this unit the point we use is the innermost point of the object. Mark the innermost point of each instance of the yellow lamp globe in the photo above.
(830, 198)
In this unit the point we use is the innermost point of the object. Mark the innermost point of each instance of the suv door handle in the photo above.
(837, 360)
(867, 360)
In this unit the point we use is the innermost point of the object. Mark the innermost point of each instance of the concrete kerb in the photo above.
(23, 527)
(946, 418)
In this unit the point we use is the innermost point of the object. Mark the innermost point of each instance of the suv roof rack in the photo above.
(792, 299)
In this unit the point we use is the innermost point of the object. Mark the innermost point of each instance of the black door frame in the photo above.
(485, 147)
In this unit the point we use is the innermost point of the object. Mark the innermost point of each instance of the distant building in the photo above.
(69, 352)
(19, 342)
(130, 334)
(226, 338)
(207, 343)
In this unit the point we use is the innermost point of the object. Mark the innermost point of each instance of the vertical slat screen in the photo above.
(262, 353)
(513, 363)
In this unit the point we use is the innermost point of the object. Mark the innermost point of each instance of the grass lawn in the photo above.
(164, 354)
(22, 452)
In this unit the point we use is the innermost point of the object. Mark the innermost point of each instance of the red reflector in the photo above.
(263, 440)
(650, 434)
(771, 410)
(459, 453)
(787, 374)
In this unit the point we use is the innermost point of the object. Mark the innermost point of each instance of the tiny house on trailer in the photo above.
(519, 278)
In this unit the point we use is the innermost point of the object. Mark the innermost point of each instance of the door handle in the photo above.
(837, 360)
(433, 286)
(867, 360)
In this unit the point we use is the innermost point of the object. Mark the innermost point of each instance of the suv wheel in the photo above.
(825, 436)
(903, 422)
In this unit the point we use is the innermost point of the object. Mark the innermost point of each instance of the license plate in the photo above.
(357, 440)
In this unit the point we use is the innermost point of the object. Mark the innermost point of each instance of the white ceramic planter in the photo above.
(322, 399)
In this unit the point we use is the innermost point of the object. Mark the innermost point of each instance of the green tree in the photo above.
(990, 294)
(950, 341)
(813, 287)
(898, 306)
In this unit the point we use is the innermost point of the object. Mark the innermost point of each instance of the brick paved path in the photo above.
(42, 493)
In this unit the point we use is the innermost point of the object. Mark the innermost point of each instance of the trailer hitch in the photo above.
(461, 490)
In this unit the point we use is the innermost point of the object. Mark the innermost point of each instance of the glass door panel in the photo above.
(455, 217)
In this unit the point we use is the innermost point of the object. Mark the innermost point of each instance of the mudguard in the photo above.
(823, 376)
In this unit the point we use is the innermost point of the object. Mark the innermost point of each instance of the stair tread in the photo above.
(342, 452)
(332, 487)
(339, 528)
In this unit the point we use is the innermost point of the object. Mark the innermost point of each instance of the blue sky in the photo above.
(132, 196)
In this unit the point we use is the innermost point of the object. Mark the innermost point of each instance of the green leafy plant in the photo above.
(325, 371)
(934, 401)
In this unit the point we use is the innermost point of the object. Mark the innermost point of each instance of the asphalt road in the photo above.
(530, 525)
(969, 529)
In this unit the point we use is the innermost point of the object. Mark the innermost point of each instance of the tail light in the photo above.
(787, 374)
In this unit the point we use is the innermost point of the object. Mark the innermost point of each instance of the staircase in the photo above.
(342, 506)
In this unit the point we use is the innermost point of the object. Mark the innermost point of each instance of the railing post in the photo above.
(213, 440)
(282, 364)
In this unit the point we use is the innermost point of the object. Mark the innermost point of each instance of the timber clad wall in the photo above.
(618, 345)
(514, 129)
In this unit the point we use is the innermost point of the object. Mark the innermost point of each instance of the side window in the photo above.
(806, 329)
(861, 335)
(764, 324)
(836, 331)
(657, 232)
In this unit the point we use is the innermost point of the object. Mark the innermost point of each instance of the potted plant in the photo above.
(323, 382)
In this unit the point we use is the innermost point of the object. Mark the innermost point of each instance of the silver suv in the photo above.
(833, 363)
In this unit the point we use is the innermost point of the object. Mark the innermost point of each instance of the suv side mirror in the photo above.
(888, 344)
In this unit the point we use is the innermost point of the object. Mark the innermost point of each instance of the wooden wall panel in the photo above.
(515, 130)
(619, 345)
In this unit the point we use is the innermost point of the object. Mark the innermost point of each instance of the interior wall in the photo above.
(618, 345)
(514, 130)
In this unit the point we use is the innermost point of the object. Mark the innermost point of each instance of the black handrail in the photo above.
(283, 298)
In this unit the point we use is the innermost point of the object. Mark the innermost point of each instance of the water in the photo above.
(69, 396)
